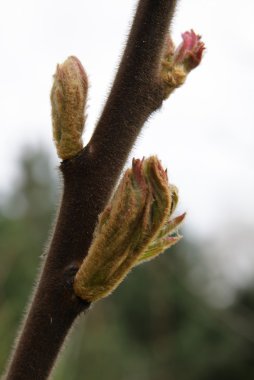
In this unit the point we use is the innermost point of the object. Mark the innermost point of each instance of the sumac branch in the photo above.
(151, 68)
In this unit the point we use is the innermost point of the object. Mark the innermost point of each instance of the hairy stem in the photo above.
(136, 91)
(89, 180)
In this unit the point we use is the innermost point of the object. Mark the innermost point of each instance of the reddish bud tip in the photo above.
(190, 51)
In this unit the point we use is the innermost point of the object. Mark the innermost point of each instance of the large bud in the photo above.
(68, 100)
(134, 227)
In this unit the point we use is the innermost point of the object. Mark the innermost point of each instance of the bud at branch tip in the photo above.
(177, 63)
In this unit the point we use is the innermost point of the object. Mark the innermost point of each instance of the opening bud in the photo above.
(134, 227)
(177, 63)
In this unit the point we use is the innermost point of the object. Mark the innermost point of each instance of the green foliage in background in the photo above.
(154, 327)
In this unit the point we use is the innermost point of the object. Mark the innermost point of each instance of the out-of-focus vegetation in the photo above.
(154, 327)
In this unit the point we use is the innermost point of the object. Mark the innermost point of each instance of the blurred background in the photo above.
(190, 313)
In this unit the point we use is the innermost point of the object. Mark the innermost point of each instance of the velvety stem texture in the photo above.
(89, 179)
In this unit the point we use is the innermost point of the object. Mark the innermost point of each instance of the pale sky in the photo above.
(204, 132)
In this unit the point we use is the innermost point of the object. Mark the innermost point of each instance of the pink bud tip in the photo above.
(190, 51)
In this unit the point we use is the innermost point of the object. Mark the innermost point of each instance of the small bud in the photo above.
(177, 63)
(134, 227)
(68, 100)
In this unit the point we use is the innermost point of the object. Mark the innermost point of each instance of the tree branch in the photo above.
(89, 179)
(136, 92)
